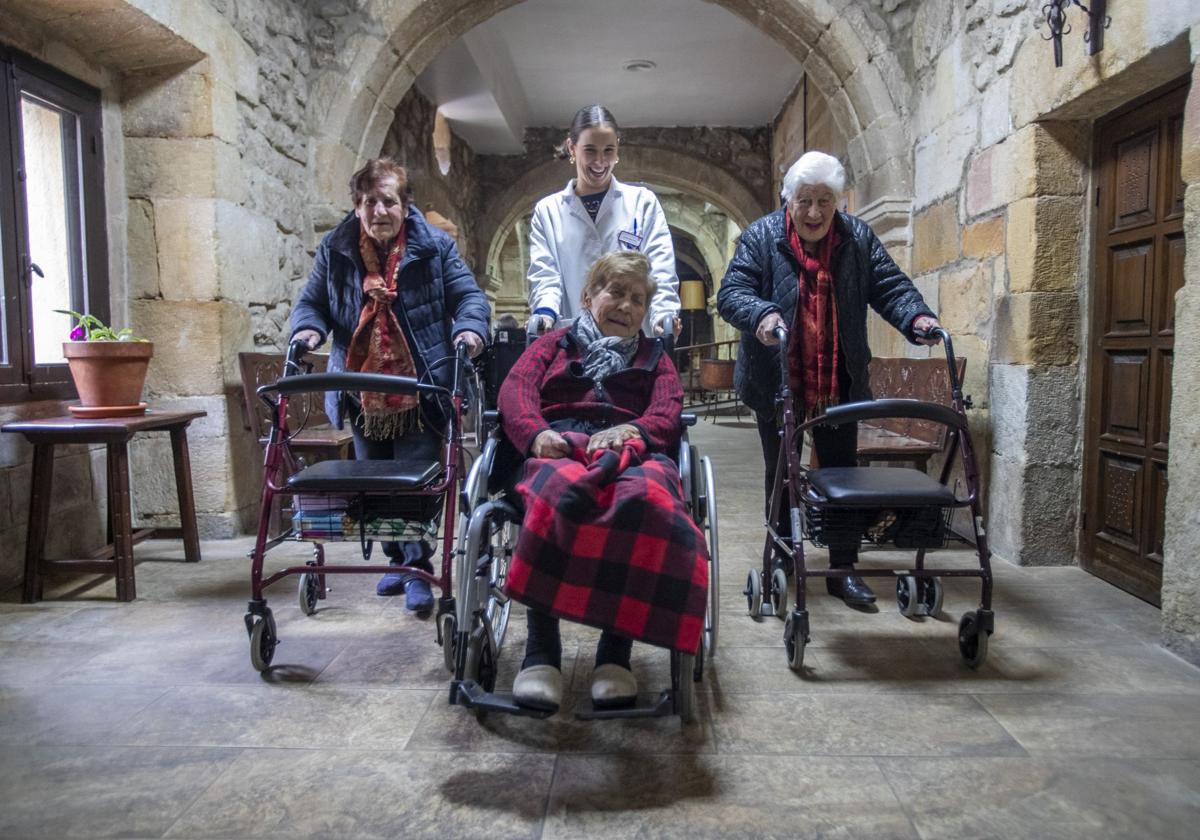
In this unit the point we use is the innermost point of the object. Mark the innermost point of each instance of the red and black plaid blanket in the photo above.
(610, 543)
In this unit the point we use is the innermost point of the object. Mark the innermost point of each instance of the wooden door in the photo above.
(1138, 269)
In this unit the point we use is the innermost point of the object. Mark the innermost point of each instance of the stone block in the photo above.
(983, 239)
(1042, 244)
(935, 236)
(185, 233)
(1037, 328)
(191, 341)
(869, 91)
(941, 156)
(1190, 164)
(995, 111)
(334, 164)
(247, 255)
(1041, 159)
(142, 250)
(973, 348)
(182, 168)
(1050, 521)
(965, 295)
(171, 104)
(1005, 522)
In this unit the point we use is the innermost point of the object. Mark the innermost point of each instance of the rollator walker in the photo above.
(845, 507)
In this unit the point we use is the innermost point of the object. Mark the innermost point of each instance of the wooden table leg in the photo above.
(183, 486)
(39, 520)
(122, 519)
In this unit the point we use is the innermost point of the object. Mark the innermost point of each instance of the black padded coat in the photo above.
(762, 279)
(437, 298)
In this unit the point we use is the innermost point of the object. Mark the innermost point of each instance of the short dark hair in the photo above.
(375, 171)
(589, 116)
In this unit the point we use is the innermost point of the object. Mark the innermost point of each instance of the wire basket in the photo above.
(846, 528)
(361, 516)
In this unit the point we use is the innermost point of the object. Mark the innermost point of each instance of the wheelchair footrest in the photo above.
(642, 708)
(470, 694)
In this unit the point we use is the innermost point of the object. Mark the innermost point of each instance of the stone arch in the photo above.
(638, 163)
(842, 44)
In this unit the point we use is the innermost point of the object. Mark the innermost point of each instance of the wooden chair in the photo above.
(315, 440)
(907, 440)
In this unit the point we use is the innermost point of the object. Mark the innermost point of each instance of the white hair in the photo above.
(814, 168)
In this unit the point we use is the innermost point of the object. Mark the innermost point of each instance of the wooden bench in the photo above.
(312, 434)
(905, 439)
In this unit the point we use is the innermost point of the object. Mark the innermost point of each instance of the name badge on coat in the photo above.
(630, 240)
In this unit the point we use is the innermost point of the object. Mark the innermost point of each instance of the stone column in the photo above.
(1181, 550)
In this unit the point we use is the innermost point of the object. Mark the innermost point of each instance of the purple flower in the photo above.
(78, 334)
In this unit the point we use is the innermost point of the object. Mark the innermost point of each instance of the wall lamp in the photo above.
(1055, 13)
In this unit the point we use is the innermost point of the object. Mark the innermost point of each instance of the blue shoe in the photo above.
(418, 597)
(393, 582)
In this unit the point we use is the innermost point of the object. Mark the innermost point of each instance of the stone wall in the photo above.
(455, 194)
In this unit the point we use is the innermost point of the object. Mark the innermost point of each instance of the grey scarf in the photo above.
(602, 355)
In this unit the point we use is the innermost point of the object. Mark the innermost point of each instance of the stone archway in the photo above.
(842, 45)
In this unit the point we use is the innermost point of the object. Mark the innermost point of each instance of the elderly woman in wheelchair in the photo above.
(607, 538)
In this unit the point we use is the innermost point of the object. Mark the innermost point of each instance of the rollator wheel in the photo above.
(753, 593)
(685, 687)
(931, 596)
(448, 630)
(972, 641)
(779, 592)
(309, 592)
(908, 596)
(794, 642)
(263, 641)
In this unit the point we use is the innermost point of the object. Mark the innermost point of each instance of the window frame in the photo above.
(20, 379)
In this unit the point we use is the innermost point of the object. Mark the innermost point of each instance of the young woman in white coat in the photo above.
(593, 215)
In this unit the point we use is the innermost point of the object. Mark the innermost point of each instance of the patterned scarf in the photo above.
(813, 347)
(603, 355)
(379, 345)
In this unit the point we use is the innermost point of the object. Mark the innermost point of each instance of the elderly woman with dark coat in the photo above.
(601, 382)
(814, 270)
(395, 297)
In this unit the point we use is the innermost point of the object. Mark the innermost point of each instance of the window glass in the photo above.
(50, 148)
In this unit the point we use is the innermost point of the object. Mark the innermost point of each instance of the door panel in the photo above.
(1138, 259)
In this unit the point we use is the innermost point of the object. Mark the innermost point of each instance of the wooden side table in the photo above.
(116, 558)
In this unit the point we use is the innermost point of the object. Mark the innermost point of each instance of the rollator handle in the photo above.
(780, 333)
(955, 385)
(295, 352)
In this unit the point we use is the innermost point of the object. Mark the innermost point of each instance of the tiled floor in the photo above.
(146, 719)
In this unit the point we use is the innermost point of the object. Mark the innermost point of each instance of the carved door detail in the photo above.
(1138, 262)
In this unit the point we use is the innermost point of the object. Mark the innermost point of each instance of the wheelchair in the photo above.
(490, 522)
(354, 501)
(845, 507)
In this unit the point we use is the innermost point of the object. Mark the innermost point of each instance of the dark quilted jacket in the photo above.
(437, 299)
(762, 279)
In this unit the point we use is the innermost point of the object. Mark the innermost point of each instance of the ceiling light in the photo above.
(639, 65)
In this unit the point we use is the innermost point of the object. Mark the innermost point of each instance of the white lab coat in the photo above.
(564, 242)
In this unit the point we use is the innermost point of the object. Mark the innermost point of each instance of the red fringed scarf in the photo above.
(379, 345)
(813, 346)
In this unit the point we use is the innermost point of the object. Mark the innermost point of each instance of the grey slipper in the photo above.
(538, 687)
(613, 685)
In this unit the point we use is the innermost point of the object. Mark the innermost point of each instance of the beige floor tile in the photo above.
(1128, 726)
(720, 796)
(1050, 799)
(292, 716)
(55, 715)
(93, 792)
(858, 725)
(454, 728)
(322, 793)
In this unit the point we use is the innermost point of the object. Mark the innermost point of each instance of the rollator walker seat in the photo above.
(406, 473)
(878, 487)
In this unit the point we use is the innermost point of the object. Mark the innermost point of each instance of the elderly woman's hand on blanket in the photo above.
(613, 438)
(550, 444)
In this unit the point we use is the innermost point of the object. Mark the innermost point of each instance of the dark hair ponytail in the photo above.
(589, 116)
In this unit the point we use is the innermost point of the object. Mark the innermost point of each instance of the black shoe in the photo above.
(853, 590)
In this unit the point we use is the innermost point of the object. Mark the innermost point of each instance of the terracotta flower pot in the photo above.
(109, 374)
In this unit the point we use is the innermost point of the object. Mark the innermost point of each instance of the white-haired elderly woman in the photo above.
(814, 270)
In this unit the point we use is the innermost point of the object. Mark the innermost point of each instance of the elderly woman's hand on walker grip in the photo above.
(765, 331)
